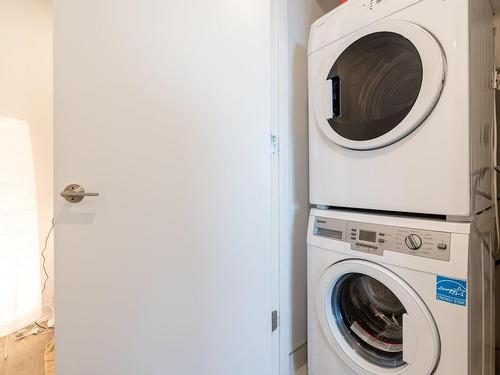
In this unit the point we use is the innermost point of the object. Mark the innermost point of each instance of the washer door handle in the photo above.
(409, 339)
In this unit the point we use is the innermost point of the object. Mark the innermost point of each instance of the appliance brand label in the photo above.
(451, 290)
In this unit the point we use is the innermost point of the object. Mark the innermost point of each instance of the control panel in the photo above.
(375, 239)
(372, 4)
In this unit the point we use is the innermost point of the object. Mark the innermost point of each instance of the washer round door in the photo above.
(379, 86)
(375, 322)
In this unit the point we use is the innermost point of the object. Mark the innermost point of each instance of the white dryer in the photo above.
(396, 295)
(401, 106)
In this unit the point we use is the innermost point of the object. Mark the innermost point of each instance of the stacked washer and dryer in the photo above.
(401, 242)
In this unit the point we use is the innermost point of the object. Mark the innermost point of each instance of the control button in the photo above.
(353, 238)
(413, 241)
(381, 240)
(442, 246)
(381, 234)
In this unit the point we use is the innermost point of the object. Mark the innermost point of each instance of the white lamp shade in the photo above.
(20, 276)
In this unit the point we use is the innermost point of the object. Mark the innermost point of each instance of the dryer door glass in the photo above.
(375, 84)
(370, 318)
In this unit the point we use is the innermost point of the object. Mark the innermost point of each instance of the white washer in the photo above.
(401, 106)
(396, 295)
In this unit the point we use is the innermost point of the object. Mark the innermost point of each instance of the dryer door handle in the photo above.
(336, 96)
(409, 339)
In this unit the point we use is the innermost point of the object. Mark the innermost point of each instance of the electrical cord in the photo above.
(40, 326)
(45, 259)
(494, 181)
(44, 266)
(492, 8)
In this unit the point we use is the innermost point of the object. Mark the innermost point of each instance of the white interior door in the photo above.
(163, 108)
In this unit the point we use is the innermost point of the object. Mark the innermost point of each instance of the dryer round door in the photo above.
(379, 85)
(375, 322)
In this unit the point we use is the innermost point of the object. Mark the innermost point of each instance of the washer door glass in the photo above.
(370, 317)
(375, 84)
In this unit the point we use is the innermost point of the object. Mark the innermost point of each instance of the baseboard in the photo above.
(298, 361)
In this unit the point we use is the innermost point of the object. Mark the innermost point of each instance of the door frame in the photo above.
(277, 196)
(280, 175)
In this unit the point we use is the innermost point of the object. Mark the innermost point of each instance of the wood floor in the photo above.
(26, 356)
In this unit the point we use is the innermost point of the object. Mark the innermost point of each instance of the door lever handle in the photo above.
(75, 193)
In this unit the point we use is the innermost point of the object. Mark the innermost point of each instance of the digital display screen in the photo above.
(367, 236)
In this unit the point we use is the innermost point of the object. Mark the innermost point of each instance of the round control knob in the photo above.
(413, 241)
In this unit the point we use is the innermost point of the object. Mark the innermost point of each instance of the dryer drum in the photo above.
(381, 75)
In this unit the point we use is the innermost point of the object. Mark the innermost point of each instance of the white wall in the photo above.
(300, 15)
(26, 93)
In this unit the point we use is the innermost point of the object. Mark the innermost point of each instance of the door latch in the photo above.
(75, 193)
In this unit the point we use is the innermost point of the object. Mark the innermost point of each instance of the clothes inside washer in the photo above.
(370, 317)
